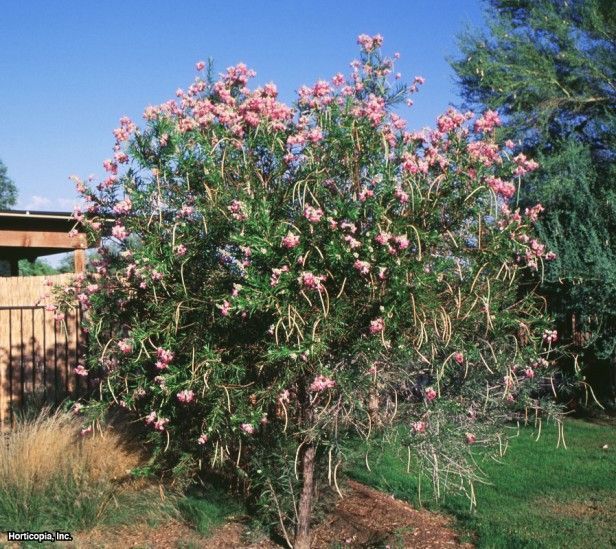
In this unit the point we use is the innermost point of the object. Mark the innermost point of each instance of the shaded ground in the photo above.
(369, 518)
(363, 518)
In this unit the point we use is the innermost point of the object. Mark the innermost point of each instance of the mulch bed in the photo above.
(363, 518)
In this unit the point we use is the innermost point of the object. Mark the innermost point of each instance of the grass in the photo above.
(207, 508)
(51, 478)
(538, 496)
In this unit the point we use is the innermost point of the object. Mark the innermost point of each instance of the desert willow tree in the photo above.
(282, 278)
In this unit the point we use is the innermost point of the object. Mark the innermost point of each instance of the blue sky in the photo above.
(71, 69)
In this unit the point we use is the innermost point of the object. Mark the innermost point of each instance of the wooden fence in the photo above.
(37, 353)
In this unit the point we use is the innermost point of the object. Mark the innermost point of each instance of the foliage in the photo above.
(538, 495)
(8, 191)
(280, 278)
(550, 68)
(36, 268)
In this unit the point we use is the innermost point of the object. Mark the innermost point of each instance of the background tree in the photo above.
(40, 267)
(549, 68)
(8, 191)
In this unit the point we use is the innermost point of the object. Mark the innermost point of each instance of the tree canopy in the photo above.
(8, 191)
(549, 68)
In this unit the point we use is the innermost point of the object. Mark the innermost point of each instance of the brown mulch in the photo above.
(172, 534)
(368, 518)
(363, 518)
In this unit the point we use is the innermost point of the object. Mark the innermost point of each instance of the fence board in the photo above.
(37, 354)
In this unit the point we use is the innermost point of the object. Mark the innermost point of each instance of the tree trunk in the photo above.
(302, 532)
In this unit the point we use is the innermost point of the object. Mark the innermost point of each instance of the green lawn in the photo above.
(539, 496)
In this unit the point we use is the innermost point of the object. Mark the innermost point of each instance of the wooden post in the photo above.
(14, 263)
(80, 261)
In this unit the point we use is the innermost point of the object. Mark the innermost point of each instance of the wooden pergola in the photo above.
(29, 235)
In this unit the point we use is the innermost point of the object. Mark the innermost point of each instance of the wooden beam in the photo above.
(42, 239)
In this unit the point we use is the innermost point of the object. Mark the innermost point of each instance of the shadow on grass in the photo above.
(538, 496)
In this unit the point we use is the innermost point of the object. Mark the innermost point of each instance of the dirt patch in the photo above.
(172, 534)
(601, 508)
(368, 518)
(363, 518)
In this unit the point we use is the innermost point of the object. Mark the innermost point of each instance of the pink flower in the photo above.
(186, 396)
(80, 370)
(164, 358)
(86, 431)
(181, 250)
(540, 363)
(533, 213)
(276, 274)
(313, 214)
(365, 194)
(311, 281)
(369, 43)
(500, 187)
(248, 428)
(458, 357)
(202, 439)
(125, 346)
(471, 438)
(450, 121)
(290, 241)
(377, 326)
(430, 394)
(237, 210)
(321, 383)
(123, 206)
(352, 242)
(524, 165)
(419, 427)
(362, 266)
(160, 423)
(529, 373)
(401, 241)
(110, 166)
(150, 418)
(382, 238)
(550, 336)
(487, 122)
(119, 232)
(338, 79)
(76, 409)
(224, 308)
(314, 135)
(200, 65)
(348, 226)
